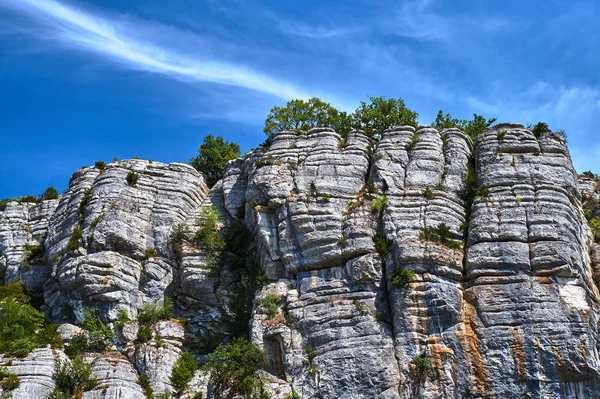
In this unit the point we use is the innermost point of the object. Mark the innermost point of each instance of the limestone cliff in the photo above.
(504, 299)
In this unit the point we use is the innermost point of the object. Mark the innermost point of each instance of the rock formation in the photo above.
(499, 297)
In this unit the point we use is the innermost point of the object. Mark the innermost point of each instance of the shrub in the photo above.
(213, 155)
(360, 307)
(590, 174)
(178, 234)
(540, 128)
(428, 194)
(73, 378)
(268, 303)
(144, 382)
(234, 370)
(95, 221)
(439, 234)
(400, 278)
(414, 139)
(32, 251)
(100, 165)
(86, 198)
(183, 371)
(50, 194)
(10, 382)
(293, 395)
(29, 199)
(500, 135)
(473, 127)
(122, 317)
(149, 253)
(20, 322)
(422, 367)
(154, 312)
(483, 192)
(378, 204)
(94, 326)
(342, 240)
(132, 178)
(370, 186)
(144, 334)
(208, 235)
(381, 245)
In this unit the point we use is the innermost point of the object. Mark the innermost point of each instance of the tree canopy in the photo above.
(305, 115)
(213, 155)
(472, 127)
(372, 117)
(50, 194)
(381, 114)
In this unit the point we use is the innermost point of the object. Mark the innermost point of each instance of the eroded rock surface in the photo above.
(503, 301)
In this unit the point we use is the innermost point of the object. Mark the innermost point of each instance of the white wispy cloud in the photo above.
(118, 40)
(299, 28)
(416, 19)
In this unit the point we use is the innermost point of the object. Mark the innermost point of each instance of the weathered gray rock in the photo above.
(119, 223)
(116, 378)
(504, 305)
(21, 224)
(34, 372)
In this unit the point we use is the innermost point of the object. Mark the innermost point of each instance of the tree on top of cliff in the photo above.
(372, 117)
(213, 155)
(305, 115)
(381, 114)
(473, 127)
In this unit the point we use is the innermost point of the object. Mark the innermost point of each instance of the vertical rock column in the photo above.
(423, 174)
(24, 224)
(315, 231)
(530, 307)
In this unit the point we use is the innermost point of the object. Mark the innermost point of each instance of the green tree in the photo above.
(19, 321)
(381, 114)
(183, 371)
(213, 155)
(234, 370)
(305, 115)
(50, 194)
(473, 127)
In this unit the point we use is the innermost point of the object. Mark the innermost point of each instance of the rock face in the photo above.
(423, 265)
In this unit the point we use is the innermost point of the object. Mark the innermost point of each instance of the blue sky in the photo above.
(89, 80)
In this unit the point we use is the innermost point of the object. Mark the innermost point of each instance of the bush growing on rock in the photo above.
(132, 178)
(268, 303)
(9, 382)
(234, 370)
(590, 174)
(183, 371)
(400, 278)
(439, 234)
(305, 115)
(149, 253)
(213, 155)
(473, 127)
(20, 322)
(72, 379)
(73, 243)
(154, 312)
(144, 382)
(100, 165)
(50, 194)
(208, 235)
(381, 245)
(378, 204)
(380, 114)
(422, 368)
(144, 334)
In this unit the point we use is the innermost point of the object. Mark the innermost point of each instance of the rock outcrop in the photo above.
(422, 265)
